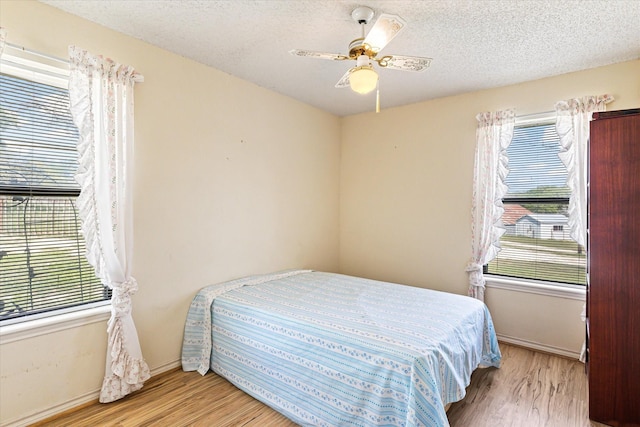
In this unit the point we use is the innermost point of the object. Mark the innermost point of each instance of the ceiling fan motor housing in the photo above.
(358, 48)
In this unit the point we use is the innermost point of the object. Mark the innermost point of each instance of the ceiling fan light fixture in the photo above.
(363, 79)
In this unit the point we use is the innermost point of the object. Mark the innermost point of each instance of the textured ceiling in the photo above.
(475, 44)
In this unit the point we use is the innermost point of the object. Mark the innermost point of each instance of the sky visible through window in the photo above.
(534, 161)
(37, 135)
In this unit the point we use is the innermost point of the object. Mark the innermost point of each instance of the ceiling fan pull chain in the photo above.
(378, 98)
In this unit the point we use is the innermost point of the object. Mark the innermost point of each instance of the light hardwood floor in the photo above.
(531, 389)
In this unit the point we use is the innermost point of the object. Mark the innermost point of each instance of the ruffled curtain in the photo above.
(572, 124)
(101, 102)
(493, 136)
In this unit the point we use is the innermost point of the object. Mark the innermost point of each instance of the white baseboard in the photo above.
(78, 401)
(538, 346)
(166, 367)
(53, 410)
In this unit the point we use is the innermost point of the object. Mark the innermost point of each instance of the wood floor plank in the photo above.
(531, 389)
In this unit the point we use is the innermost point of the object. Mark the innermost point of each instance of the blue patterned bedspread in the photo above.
(333, 350)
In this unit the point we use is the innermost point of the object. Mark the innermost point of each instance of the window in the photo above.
(42, 252)
(537, 243)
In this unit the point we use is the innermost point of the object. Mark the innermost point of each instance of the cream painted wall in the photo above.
(405, 202)
(231, 179)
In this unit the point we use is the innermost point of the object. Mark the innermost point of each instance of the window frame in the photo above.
(535, 286)
(50, 71)
(35, 327)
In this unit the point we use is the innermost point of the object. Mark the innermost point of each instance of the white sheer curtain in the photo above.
(101, 101)
(493, 136)
(572, 124)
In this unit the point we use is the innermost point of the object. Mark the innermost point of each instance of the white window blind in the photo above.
(42, 252)
(537, 244)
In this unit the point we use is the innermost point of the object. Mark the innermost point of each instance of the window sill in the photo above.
(48, 325)
(575, 292)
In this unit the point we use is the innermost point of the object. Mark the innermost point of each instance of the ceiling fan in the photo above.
(364, 50)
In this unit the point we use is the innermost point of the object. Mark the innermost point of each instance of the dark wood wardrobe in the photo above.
(613, 289)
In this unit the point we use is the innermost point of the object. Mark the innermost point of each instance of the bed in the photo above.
(326, 349)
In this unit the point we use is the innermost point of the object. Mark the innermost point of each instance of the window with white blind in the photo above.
(43, 268)
(537, 244)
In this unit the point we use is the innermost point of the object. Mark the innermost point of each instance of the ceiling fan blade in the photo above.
(384, 30)
(344, 80)
(405, 63)
(319, 55)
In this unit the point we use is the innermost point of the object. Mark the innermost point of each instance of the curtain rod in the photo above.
(137, 77)
(34, 52)
(535, 117)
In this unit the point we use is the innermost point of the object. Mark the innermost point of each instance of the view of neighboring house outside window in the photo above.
(536, 244)
(43, 268)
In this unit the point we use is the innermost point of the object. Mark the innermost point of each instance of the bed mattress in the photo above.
(330, 350)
